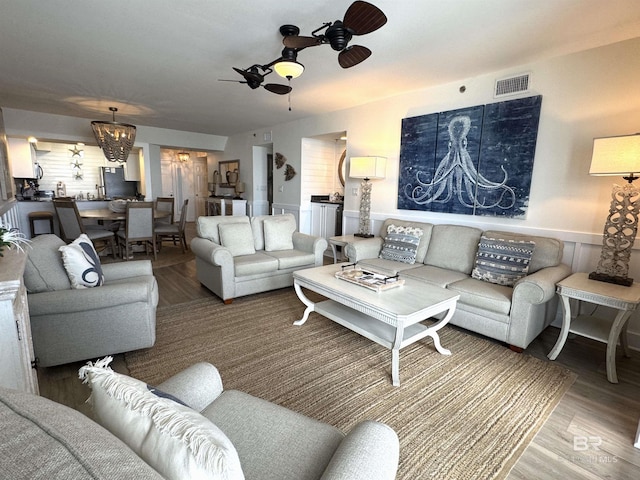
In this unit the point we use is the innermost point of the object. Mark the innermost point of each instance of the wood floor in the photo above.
(590, 434)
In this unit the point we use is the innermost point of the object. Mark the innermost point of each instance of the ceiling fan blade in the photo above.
(362, 18)
(277, 88)
(296, 41)
(250, 76)
(353, 55)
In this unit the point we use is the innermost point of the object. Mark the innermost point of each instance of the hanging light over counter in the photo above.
(114, 138)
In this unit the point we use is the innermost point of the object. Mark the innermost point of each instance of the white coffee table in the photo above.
(390, 318)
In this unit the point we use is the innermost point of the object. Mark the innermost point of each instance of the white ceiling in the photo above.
(159, 61)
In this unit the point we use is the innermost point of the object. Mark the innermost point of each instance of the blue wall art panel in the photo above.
(472, 161)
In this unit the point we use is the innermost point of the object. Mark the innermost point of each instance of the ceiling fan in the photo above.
(360, 18)
(254, 77)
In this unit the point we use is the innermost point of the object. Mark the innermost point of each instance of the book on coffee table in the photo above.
(368, 279)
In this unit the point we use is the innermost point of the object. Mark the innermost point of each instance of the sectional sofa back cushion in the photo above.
(278, 232)
(548, 251)
(259, 234)
(207, 227)
(44, 271)
(453, 247)
(237, 237)
(423, 245)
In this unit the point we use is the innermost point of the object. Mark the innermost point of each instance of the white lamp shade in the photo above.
(368, 167)
(288, 69)
(616, 155)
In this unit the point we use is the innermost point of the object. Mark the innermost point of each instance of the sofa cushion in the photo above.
(82, 263)
(254, 264)
(257, 225)
(548, 252)
(401, 243)
(278, 232)
(426, 228)
(293, 258)
(44, 271)
(274, 443)
(207, 227)
(237, 237)
(434, 275)
(453, 247)
(502, 261)
(44, 440)
(174, 439)
(485, 295)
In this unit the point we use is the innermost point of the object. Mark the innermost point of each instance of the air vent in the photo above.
(512, 85)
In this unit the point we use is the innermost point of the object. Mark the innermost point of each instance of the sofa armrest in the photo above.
(540, 287)
(308, 243)
(370, 451)
(311, 244)
(197, 386)
(96, 298)
(365, 248)
(121, 270)
(211, 252)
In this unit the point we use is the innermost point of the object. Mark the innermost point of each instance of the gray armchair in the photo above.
(68, 324)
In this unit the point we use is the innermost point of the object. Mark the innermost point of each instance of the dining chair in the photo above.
(165, 204)
(176, 231)
(72, 226)
(139, 228)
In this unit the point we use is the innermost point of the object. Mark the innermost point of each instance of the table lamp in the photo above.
(366, 168)
(618, 156)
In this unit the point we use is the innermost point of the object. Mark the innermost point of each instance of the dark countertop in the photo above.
(325, 199)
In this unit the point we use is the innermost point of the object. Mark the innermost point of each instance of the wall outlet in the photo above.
(354, 191)
(281, 188)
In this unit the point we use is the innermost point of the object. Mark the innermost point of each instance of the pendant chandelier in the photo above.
(114, 138)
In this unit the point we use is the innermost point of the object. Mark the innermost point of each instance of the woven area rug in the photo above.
(468, 415)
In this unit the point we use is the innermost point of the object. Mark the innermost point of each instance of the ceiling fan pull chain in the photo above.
(289, 94)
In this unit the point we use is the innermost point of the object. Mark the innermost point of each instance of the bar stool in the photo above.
(34, 216)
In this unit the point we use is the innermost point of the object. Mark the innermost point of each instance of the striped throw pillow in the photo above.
(502, 262)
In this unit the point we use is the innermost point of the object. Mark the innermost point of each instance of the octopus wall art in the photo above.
(473, 161)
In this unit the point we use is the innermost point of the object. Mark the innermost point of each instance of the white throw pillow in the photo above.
(237, 237)
(278, 233)
(82, 263)
(174, 439)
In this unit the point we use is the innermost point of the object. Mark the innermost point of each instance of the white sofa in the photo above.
(239, 255)
(446, 256)
(43, 440)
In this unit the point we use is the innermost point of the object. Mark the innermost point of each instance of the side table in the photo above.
(623, 299)
(341, 241)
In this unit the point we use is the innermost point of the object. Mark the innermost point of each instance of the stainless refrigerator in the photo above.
(115, 186)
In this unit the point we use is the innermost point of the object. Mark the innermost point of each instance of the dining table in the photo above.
(106, 214)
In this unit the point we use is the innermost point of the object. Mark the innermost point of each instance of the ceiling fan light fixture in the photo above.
(114, 138)
(289, 69)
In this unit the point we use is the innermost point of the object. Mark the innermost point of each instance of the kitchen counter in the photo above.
(25, 207)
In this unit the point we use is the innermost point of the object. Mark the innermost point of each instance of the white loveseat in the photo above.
(239, 255)
(446, 256)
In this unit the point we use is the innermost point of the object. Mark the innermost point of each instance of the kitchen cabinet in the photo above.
(21, 156)
(323, 219)
(16, 347)
(132, 167)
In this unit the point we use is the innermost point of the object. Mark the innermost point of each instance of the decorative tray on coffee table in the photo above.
(368, 279)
